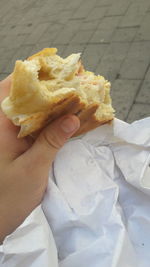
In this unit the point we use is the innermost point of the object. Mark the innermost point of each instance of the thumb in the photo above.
(51, 139)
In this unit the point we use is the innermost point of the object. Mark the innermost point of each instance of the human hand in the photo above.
(24, 165)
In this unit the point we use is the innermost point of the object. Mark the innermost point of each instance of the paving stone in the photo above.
(48, 37)
(108, 23)
(140, 50)
(138, 111)
(144, 93)
(119, 9)
(102, 36)
(32, 14)
(51, 33)
(84, 9)
(21, 53)
(12, 29)
(6, 10)
(109, 66)
(9, 16)
(108, 69)
(67, 33)
(82, 12)
(147, 77)
(123, 93)
(113, 36)
(82, 37)
(135, 14)
(74, 48)
(105, 30)
(89, 25)
(103, 3)
(136, 62)
(116, 51)
(13, 41)
(124, 35)
(143, 32)
(74, 4)
(96, 13)
(133, 69)
(7, 53)
(36, 35)
(92, 55)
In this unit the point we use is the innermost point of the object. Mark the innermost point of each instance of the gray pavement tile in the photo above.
(144, 93)
(74, 4)
(147, 77)
(21, 54)
(13, 41)
(133, 69)
(105, 30)
(124, 35)
(12, 29)
(116, 51)
(123, 93)
(82, 12)
(39, 3)
(103, 2)
(113, 36)
(96, 13)
(36, 35)
(143, 32)
(131, 21)
(136, 62)
(32, 14)
(118, 8)
(135, 14)
(110, 64)
(108, 69)
(89, 25)
(109, 23)
(74, 48)
(73, 25)
(6, 9)
(64, 36)
(82, 37)
(61, 50)
(102, 36)
(92, 55)
(84, 9)
(9, 16)
(138, 111)
(48, 36)
(140, 50)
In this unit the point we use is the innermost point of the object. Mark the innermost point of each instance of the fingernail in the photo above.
(70, 124)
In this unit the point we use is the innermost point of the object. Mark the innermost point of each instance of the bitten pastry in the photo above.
(46, 86)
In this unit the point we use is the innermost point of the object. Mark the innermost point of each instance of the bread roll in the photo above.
(46, 86)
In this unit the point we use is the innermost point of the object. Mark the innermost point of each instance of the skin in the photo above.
(25, 164)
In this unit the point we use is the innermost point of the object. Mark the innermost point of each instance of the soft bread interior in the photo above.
(46, 86)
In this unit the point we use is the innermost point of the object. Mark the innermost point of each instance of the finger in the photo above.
(51, 139)
(5, 87)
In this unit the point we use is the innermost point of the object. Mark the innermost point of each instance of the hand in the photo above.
(24, 165)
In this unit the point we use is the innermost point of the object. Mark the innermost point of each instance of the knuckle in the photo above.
(52, 140)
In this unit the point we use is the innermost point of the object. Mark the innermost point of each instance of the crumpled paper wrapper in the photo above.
(96, 211)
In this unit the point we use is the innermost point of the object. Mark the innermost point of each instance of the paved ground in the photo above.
(113, 36)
